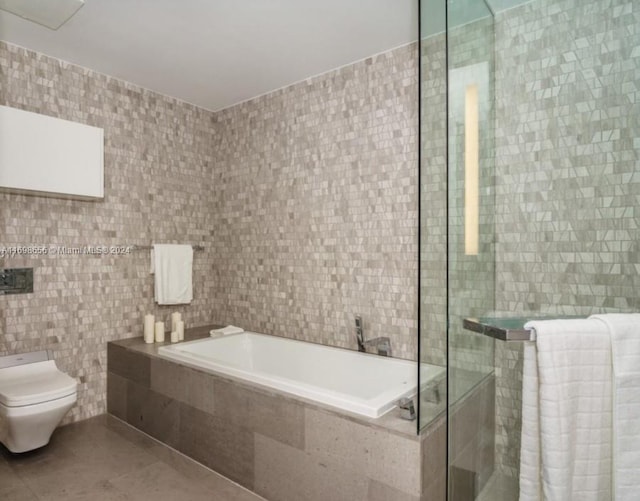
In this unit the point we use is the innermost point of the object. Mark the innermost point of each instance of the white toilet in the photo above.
(34, 397)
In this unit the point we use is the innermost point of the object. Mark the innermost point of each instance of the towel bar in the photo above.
(506, 329)
(149, 247)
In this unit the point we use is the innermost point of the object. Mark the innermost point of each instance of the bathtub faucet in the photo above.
(381, 344)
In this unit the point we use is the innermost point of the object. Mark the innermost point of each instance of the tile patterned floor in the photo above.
(103, 459)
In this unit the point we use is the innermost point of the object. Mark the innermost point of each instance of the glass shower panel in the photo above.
(471, 250)
(433, 210)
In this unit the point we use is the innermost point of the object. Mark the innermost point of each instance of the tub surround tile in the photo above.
(436, 491)
(122, 362)
(117, 395)
(472, 433)
(186, 385)
(434, 461)
(268, 414)
(154, 413)
(220, 444)
(289, 474)
(381, 456)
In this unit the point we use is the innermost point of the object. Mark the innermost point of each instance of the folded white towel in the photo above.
(567, 413)
(173, 266)
(225, 331)
(625, 344)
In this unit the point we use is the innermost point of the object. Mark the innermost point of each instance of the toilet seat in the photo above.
(34, 383)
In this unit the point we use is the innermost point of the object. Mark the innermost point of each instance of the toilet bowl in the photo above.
(34, 397)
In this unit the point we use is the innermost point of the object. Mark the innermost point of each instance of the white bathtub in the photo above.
(364, 384)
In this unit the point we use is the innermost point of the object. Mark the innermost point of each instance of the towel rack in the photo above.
(149, 247)
(506, 329)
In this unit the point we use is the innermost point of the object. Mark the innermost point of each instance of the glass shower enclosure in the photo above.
(529, 189)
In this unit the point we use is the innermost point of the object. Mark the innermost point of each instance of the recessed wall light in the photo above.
(49, 13)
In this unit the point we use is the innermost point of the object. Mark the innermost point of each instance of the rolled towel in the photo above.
(225, 331)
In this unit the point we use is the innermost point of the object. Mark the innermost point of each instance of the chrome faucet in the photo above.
(381, 344)
(359, 333)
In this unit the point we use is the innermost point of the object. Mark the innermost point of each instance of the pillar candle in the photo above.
(148, 328)
(175, 318)
(159, 332)
(174, 337)
(180, 330)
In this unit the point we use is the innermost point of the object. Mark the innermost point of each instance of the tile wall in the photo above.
(158, 161)
(315, 206)
(568, 173)
(304, 199)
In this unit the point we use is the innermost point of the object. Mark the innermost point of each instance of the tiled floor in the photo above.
(103, 459)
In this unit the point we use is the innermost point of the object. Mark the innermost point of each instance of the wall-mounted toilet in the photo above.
(34, 397)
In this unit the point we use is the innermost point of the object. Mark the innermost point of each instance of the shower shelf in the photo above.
(505, 329)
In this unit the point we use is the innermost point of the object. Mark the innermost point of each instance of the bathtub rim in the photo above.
(284, 386)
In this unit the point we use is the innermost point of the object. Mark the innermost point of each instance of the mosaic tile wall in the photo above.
(315, 206)
(433, 200)
(568, 172)
(433, 186)
(305, 200)
(158, 160)
(471, 277)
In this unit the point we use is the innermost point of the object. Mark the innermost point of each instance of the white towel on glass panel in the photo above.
(173, 267)
(567, 413)
(624, 330)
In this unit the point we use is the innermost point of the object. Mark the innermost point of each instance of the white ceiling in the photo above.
(215, 53)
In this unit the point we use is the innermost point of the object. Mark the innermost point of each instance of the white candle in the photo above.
(180, 330)
(159, 332)
(175, 318)
(174, 337)
(148, 328)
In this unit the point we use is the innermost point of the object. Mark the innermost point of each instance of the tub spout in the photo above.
(360, 334)
(407, 410)
(381, 344)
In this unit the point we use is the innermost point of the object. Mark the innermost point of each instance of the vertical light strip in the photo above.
(471, 171)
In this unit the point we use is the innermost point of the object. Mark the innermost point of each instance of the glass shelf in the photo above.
(505, 329)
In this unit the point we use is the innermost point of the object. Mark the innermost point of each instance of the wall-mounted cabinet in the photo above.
(42, 155)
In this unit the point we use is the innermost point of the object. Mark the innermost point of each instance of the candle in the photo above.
(180, 330)
(159, 332)
(148, 328)
(174, 337)
(175, 318)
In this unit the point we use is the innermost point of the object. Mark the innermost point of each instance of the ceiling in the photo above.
(217, 53)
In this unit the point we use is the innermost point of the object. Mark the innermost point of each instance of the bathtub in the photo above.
(368, 385)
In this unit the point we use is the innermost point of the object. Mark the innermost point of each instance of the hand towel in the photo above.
(225, 331)
(624, 330)
(173, 266)
(567, 413)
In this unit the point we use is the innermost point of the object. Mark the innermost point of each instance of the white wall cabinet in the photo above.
(42, 155)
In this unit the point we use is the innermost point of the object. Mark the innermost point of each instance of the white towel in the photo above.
(225, 331)
(567, 414)
(625, 344)
(173, 266)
